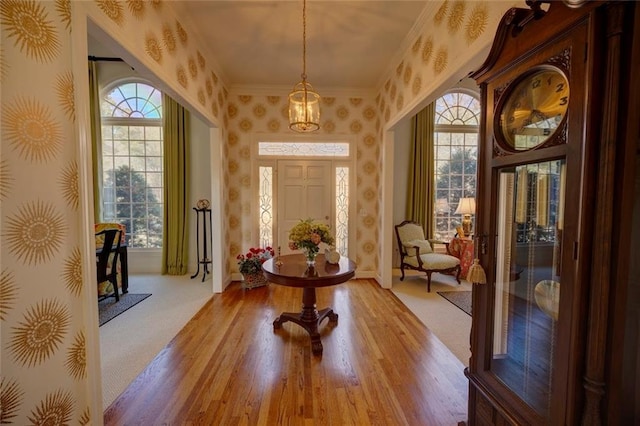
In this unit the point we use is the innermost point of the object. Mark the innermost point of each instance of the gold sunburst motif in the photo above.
(69, 183)
(399, 69)
(342, 112)
(27, 23)
(4, 67)
(416, 45)
(273, 100)
(417, 85)
(201, 97)
(31, 129)
(64, 10)
(245, 99)
(329, 126)
(153, 48)
(6, 181)
(65, 92)
(136, 7)
(56, 409)
(214, 109)
(369, 113)
(221, 99)
(36, 233)
(72, 272)
(76, 362)
(273, 125)
(245, 125)
(440, 63)
(408, 71)
(214, 77)
(476, 23)
(441, 13)
(233, 138)
(233, 166)
(168, 38)
(259, 111)
(156, 4)
(8, 294)
(85, 418)
(427, 50)
(209, 87)
(182, 34)
(456, 18)
(392, 92)
(355, 101)
(355, 126)
(10, 399)
(201, 62)
(38, 336)
(233, 194)
(400, 102)
(181, 75)
(328, 100)
(232, 109)
(193, 68)
(369, 140)
(113, 9)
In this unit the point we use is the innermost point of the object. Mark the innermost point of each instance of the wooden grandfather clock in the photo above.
(553, 340)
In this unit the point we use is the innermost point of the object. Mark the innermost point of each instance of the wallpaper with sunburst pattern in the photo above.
(44, 334)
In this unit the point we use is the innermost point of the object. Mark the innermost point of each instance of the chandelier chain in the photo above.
(304, 40)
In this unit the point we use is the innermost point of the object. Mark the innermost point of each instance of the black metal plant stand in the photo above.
(206, 236)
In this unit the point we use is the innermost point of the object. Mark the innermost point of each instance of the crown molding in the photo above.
(280, 90)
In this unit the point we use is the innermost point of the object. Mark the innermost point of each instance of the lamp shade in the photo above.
(466, 206)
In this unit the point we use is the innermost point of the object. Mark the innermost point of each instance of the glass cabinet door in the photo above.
(529, 224)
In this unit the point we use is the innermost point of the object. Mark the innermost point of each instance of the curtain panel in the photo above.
(175, 239)
(421, 170)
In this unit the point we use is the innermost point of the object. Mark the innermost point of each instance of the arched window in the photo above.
(132, 162)
(457, 121)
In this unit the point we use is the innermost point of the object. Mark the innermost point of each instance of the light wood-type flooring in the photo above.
(380, 366)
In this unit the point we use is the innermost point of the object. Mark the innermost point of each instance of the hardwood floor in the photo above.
(380, 366)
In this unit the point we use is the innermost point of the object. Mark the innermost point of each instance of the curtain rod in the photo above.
(102, 58)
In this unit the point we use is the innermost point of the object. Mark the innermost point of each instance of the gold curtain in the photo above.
(96, 140)
(175, 239)
(421, 169)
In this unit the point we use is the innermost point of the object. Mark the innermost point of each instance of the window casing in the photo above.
(132, 161)
(457, 120)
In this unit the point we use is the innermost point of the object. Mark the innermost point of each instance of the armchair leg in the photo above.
(458, 274)
(402, 270)
(428, 282)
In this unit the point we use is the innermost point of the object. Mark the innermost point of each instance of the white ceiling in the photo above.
(350, 44)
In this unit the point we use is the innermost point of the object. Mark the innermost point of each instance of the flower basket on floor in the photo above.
(250, 266)
(254, 280)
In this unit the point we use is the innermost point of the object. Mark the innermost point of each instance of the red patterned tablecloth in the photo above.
(462, 248)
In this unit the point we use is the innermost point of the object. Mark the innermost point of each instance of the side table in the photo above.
(462, 248)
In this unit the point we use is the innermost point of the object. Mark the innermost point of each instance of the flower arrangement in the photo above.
(307, 236)
(251, 262)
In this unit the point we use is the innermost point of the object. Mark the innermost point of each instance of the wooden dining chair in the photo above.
(106, 261)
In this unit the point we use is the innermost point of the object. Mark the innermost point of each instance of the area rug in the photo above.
(461, 299)
(108, 309)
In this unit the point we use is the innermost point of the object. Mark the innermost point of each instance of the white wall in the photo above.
(401, 157)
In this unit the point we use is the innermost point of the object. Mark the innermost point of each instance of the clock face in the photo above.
(534, 109)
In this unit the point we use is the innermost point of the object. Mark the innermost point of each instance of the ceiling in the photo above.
(350, 44)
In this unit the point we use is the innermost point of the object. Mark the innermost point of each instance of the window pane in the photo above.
(132, 180)
(455, 150)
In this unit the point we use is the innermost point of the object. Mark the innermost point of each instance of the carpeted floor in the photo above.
(108, 308)
(461, 299)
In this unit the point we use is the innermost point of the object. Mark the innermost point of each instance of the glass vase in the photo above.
(310, 256)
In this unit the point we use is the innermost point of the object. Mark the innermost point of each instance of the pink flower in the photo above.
(316, 238)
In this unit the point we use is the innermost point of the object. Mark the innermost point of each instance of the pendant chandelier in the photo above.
(304, 102)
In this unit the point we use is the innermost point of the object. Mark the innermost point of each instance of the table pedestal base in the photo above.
(309, 319)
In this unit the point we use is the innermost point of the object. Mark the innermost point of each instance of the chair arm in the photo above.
(444, 243)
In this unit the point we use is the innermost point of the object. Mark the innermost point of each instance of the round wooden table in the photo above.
(291, 270)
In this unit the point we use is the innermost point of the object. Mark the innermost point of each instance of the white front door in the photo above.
(304, 191)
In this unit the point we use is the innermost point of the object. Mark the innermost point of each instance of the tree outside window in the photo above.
(456, 153)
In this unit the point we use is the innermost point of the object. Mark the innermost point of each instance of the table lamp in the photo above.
(466, 207)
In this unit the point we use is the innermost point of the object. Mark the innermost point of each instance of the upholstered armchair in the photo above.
(417, 253)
